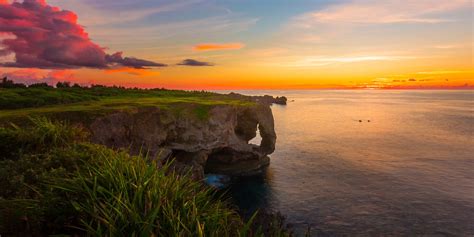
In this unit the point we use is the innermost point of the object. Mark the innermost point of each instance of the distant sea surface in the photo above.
(366, 162)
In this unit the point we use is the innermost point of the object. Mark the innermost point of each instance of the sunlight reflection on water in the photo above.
(407, 171)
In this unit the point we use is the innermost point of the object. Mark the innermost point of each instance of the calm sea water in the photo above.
(409, 171)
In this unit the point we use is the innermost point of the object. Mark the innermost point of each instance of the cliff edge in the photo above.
(204, 132)
(216, 143)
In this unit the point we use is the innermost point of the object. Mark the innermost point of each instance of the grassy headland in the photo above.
(20, 102)
(54, 181)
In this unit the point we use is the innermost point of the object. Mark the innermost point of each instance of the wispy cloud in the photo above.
(388, 11)
(360, 58)
(444, 72)
(311, 38)
(145, 23)
(218, 46)
(267, 52)
(105, 12)
(373, 30)
(315, 61)
(184, 30)
(447, 46)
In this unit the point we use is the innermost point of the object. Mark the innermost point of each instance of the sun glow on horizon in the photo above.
(238, 45)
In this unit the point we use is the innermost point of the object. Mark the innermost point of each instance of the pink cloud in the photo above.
(30, 76)
(50, 38)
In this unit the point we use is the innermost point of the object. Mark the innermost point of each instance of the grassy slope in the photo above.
(22, 102)
(54, 182)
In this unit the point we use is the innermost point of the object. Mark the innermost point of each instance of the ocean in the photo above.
(369, 162)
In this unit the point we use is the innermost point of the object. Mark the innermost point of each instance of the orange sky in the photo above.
(426, 44)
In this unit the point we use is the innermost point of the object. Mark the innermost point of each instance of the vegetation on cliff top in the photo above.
(19, 101)
(55, 182)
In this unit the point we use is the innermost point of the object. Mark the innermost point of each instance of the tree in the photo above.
(10, 84)
(64, 84)
(39, 85)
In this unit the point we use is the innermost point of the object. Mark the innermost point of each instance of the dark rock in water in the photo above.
(218, 144)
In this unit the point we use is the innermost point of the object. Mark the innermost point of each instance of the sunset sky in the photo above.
(240, 44)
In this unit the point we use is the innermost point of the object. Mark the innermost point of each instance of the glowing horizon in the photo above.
(199, 44)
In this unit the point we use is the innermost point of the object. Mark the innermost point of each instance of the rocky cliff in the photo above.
(215, 143)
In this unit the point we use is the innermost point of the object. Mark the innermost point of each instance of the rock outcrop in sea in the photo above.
(218, 143)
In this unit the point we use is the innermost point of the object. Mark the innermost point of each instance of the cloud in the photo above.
(30, 76)
(446, 72)
(49, 38)
(195, 63)
(411, 79)
(134, 72)
(131, 62)
(213, 46)
(447, 46)
(317, 61)
(388, 11)
(144, 23)
(268, 52)
(351, 59)
(104, 12)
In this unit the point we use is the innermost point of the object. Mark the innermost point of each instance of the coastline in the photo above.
(173, 134)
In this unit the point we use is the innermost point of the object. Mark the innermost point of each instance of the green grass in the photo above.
(16, 98)
(125, 196)
(18, 103)
(54, 182)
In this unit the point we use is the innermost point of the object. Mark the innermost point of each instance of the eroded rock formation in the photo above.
(217, 144)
